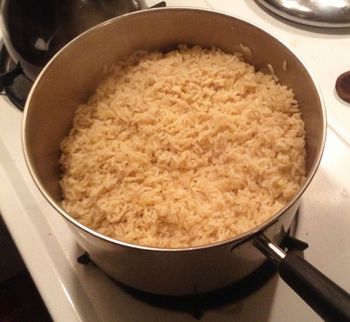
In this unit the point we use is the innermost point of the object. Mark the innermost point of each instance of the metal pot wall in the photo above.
(58, 91)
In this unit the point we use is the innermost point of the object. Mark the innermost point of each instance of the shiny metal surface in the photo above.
(269, 249)
(319, 13)
(58, 91)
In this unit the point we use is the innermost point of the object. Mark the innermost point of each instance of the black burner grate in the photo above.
(15, 85)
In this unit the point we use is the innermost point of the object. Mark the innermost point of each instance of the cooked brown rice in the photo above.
(183, 148)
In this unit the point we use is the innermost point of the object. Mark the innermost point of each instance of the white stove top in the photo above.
(73, 292)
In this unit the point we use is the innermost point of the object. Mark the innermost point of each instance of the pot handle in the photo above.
(325, 297)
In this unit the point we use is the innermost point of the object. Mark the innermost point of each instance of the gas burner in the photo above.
(319, 13)
(198, 305)
(14, 84)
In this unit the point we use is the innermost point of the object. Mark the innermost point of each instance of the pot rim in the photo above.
(232, 241)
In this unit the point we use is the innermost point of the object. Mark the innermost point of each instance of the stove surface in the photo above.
(74, 292)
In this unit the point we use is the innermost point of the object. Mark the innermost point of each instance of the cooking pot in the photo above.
(48, 117)
(34, 30)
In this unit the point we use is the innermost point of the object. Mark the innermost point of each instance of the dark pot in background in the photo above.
(34, 30)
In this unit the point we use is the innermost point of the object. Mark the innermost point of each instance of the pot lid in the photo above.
(320, 13)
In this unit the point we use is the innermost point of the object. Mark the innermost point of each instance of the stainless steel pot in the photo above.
(59, 90)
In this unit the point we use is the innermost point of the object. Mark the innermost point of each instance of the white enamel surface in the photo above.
(76, 293)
